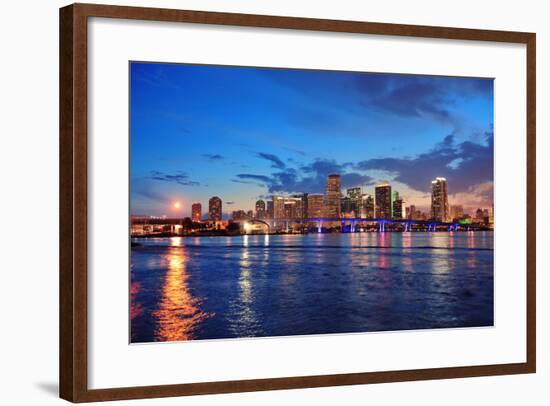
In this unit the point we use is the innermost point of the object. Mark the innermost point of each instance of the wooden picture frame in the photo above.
(74, 201)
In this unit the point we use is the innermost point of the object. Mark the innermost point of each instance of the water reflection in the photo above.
(136, 309)
(179, 312)
(244, 319)
(309, 284)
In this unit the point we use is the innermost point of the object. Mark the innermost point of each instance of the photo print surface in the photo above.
(279, 202)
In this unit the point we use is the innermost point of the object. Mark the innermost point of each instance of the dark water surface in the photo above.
(273, 285)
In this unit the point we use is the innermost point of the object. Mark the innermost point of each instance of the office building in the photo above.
(383, 200)
(315, 206)
(260, 209)
(215, 209)
(196, 212)
(440, 203)
(332, 197)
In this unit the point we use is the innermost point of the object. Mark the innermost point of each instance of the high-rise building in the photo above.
(397, 206)
(300, 208)
(196, 212)
(479, 215)
(269, 209)
(382, 193)
(440, 203)
(288, 207)
(367, 207)
(315, 206)
(260, 209)
(354, 195)
(332, 197)
(278, 207)
(345, 206)
(238, 215)
(457, 212)
(411, 211)
(215, 209)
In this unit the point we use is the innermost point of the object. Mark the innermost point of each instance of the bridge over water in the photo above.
(429, 225)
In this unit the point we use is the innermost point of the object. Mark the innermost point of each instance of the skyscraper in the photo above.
(278, 207)
(196, 212)
(269, 209)
(332, 197)
(397, 206)
(457, 212)
(315, 206)
(288, 207)
(367, 207)
(215, 209)
(260, 209)
(382, 193)
(440, 203)
(301, 205)
(354, 194)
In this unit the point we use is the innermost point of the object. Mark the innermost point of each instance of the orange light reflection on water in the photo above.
(179, 313)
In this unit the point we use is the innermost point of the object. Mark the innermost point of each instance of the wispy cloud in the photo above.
(179, 177)
(309, 178)
(463, 164)
(213, 157)
(276, 162)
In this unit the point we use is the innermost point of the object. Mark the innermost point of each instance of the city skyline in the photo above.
(355, 203)
(274, 131)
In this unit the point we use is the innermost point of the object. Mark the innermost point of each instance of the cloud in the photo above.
(276, 162)
(463, 164)
(179, 177)
(230, 203)
(309, 178)
(477, 196)
(420, 96)
(213, 157)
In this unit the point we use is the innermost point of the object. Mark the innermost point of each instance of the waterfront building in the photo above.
(345, 205)
(215, 209)
(354, 195)
(479, 215)
(288, 207)
(383, 200)
(260, 209)
(457, 212)
(397, 206)
(332, 197)
(440, 202)
(196, 212)
(239, 215)
(366, 210)
(278, 203)
(269, 209)
(301, 205)
(315, 206)
(412, 211)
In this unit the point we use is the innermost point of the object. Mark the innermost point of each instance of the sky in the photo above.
(244, 133)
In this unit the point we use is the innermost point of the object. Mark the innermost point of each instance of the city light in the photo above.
(333, 211)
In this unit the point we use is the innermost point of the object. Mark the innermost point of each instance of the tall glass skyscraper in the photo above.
(196, 212)
(215, 209)
(440, 202)
(383, 200)
(332, 197)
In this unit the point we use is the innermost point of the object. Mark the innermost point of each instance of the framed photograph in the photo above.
(256, 202)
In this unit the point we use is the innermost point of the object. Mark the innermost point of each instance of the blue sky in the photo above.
(242, 133)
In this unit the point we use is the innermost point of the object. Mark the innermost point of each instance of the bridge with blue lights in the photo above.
(349, 224)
